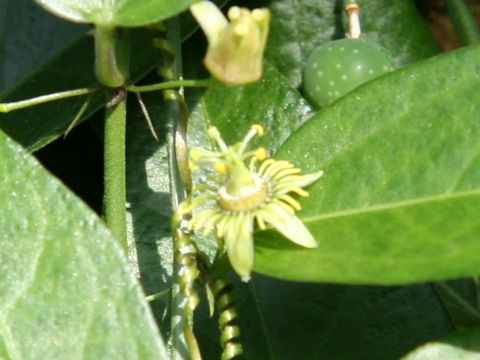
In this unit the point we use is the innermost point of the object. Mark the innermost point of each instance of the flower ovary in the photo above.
(250, 197)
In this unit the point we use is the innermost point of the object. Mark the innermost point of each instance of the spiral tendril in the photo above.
(186, 258)
(229, 331)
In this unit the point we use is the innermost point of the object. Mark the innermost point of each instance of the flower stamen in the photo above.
(238, 195)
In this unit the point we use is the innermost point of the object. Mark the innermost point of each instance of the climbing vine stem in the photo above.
(184, 298)
(170, 85)
(114, 168)
(16, 105)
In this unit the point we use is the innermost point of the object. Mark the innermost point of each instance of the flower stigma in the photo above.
(248, 188)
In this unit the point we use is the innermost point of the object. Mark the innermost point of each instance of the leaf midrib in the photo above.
(391, 206)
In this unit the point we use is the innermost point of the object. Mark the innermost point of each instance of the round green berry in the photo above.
(337, 67)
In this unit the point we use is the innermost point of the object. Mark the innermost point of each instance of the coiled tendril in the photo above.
(229, 331)
(186, 258)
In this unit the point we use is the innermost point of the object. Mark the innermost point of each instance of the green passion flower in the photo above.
(248, 187)
(235, 45)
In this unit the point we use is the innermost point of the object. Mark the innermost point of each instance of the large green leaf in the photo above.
(461, 346)
(66, 286)
(399, 199)
(115, 12)
(284, 320)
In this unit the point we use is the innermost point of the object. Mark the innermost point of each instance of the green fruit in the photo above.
(337, 67)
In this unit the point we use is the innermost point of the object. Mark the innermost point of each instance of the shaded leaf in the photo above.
(285, 320)
(461, 301)
(399, 198)
(71, 68)
(66, 287)
(28, 36)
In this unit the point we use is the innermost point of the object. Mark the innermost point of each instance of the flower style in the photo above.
(235, 48)
(239, 194)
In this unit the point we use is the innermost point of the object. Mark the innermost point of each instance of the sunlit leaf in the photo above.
(115, 13)
(66, 286)
(399, 199)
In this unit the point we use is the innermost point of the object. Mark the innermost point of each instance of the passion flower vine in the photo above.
(248, 187)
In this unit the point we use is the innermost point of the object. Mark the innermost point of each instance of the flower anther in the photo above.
(248, 187)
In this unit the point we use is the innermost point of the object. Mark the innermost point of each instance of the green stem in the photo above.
(463, 21)
(182, 339)
(170, 85)
(111, 56)
(7, 107)
(114, 171)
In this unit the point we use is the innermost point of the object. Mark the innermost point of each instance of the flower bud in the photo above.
(235, 48)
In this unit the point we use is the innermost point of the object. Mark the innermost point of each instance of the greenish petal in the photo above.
(288, 225)
(305, 180)
(236, 56)
(239, 243)
(210, 18)
(297, 181)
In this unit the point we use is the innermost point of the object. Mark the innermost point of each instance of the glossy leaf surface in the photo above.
(280, 320)
(400, 193)
(115, 13)
(66, 286)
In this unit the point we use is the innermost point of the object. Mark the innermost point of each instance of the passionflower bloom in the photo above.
(248, 187)
(235, 45)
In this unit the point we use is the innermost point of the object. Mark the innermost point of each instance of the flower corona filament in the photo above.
(248, 188)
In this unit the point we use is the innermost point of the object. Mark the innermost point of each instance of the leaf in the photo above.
(460, 346)
(285, 320)
(148, 197)
(460, 299)
(270, 102)
(399, 199)
(66, 286)
(115, 13)
(298, 27)
(37, 126)
(28, 36)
